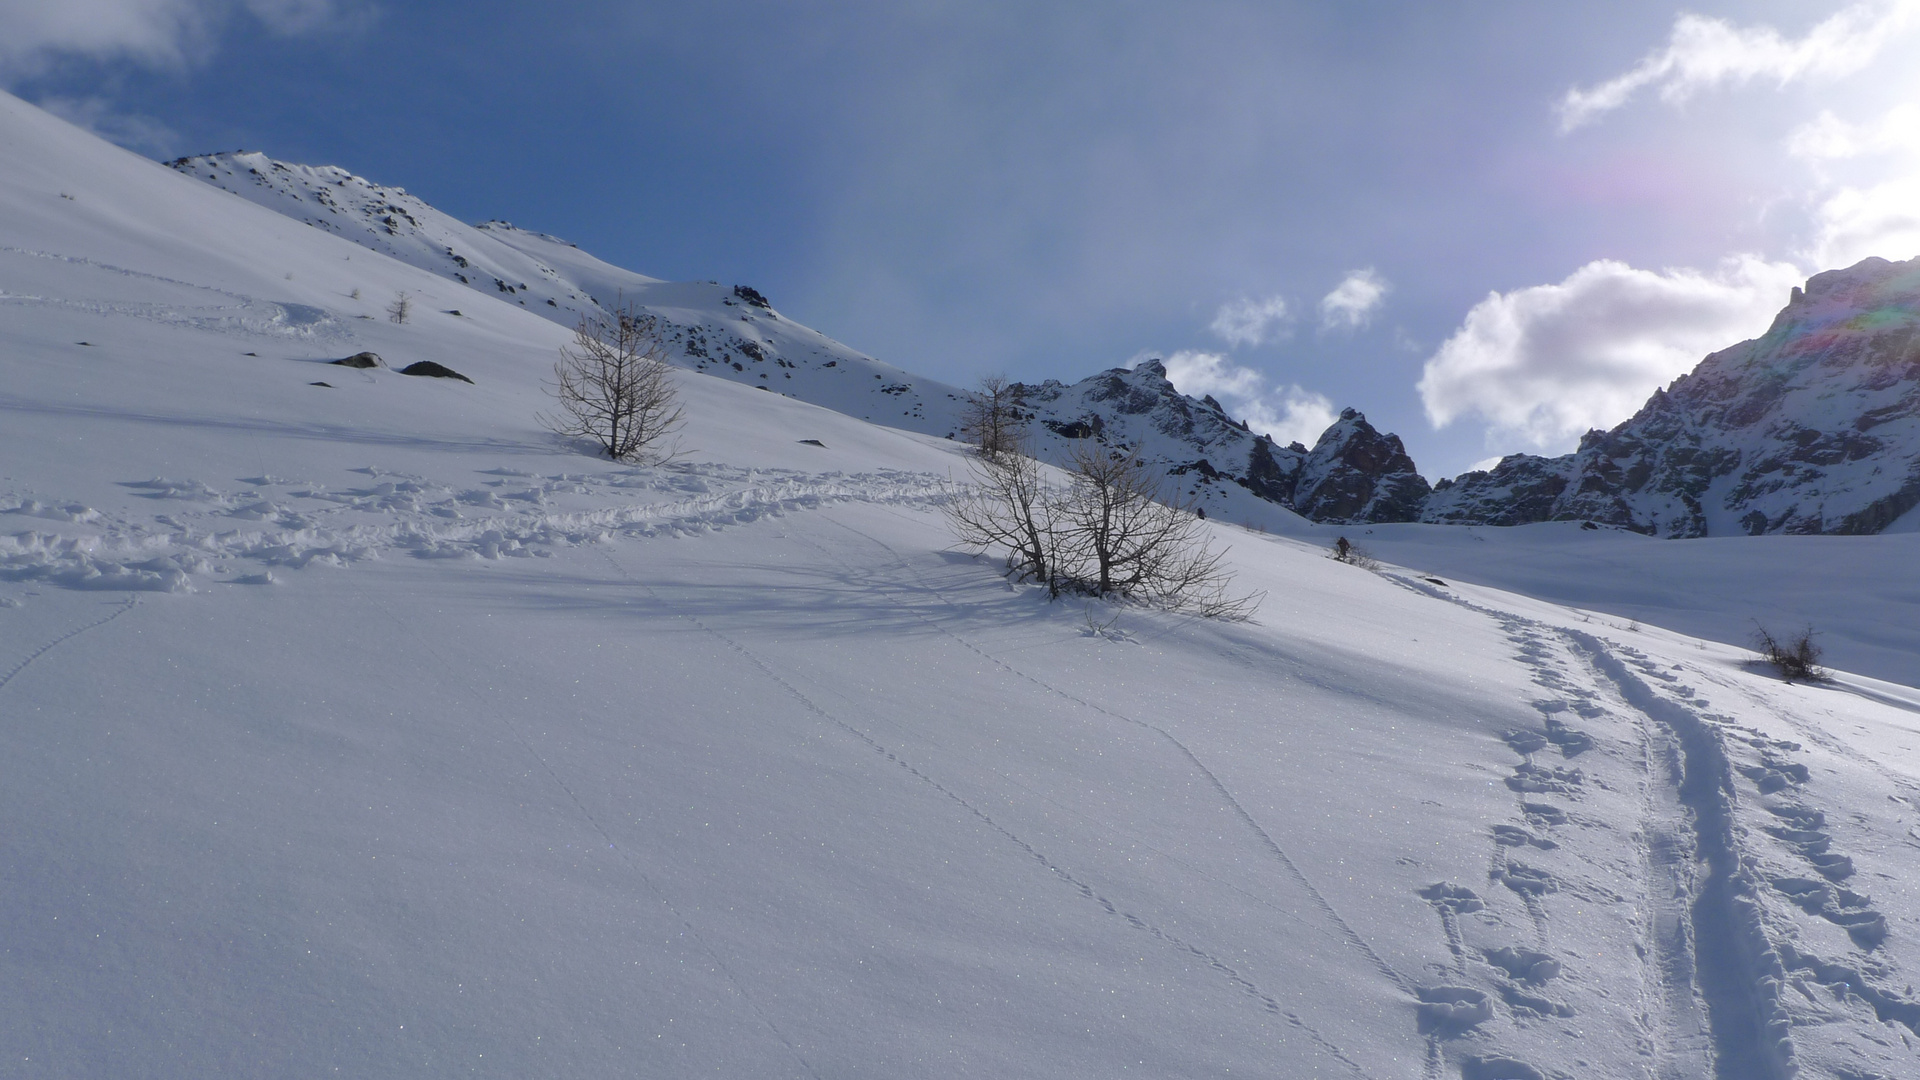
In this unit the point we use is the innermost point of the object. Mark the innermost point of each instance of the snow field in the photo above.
(367, 729)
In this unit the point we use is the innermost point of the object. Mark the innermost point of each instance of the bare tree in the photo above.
(1105, 534)
(614, 386)
(1008, 507)
(1118, 538)
(991, 420)
(400, 309)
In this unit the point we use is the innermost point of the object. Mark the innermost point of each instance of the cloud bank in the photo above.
(1705, 52)
(1288, 413)
(153, 33)
(1352, 303)
(1875, 218)
(1546, 363)
(1246, 323)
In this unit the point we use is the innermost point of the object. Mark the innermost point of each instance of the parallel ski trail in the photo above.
(1346, 931)
(132, 601)
(1724, 960)
(1232, 975)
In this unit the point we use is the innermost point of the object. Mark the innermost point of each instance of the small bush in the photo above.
(1106, 534)
(1795, 657)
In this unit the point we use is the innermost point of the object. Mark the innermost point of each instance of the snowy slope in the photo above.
(731, 332)
(366, 729)
(1352, 474)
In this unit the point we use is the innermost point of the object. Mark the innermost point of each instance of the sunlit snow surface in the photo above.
(367, 730)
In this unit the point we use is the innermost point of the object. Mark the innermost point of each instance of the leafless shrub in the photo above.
(1795, 657)
(614, 386)
(1008, 507)
(401, 309)
(991, 421)
(1106, 534)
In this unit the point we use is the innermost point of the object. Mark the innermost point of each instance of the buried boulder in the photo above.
(429, 369)
(360, 360)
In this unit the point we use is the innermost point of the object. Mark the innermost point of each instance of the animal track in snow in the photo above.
(1449, 1011)
(1515, 836)
(1539, 779)
(1498, 1068)
(1525, 965)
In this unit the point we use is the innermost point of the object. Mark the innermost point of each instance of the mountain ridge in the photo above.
(1810, 428)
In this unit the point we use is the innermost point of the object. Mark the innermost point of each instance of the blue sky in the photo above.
(1487, 225)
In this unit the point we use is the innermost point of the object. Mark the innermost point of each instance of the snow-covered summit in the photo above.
(732, 332)
(1813, 427)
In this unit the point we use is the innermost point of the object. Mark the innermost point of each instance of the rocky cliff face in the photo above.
(1353, 473)
(1357, 474)
(1814, 427)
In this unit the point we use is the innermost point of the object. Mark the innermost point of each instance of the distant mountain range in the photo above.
(1813, 427)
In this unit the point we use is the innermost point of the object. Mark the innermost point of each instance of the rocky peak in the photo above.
(1354, 473)
(1812, 427)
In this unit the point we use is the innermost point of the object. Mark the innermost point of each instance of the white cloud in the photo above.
(293, 16)
(1879, 216)
(1882, 220)
(1546, 363)
(142, 134)
(155, 33)
(1288, 413)
(1352, 302)
(1829, 138)
(1705, 52)
(1252, 322)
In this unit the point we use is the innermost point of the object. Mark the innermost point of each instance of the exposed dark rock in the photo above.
(431, 370)
(360, 360)
(1813, 427)
(1356, 474)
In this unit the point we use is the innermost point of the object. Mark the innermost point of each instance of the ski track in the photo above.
(1715, 971)
(626, 857)
(1346, 934)
(129, 604)
(1705, 955)
(1239, 981)
(307, 524)
(1718, 947)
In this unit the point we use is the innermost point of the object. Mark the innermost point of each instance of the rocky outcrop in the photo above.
(1813, 427)
(1355, 474)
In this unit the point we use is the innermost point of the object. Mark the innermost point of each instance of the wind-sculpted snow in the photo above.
(238, 534)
